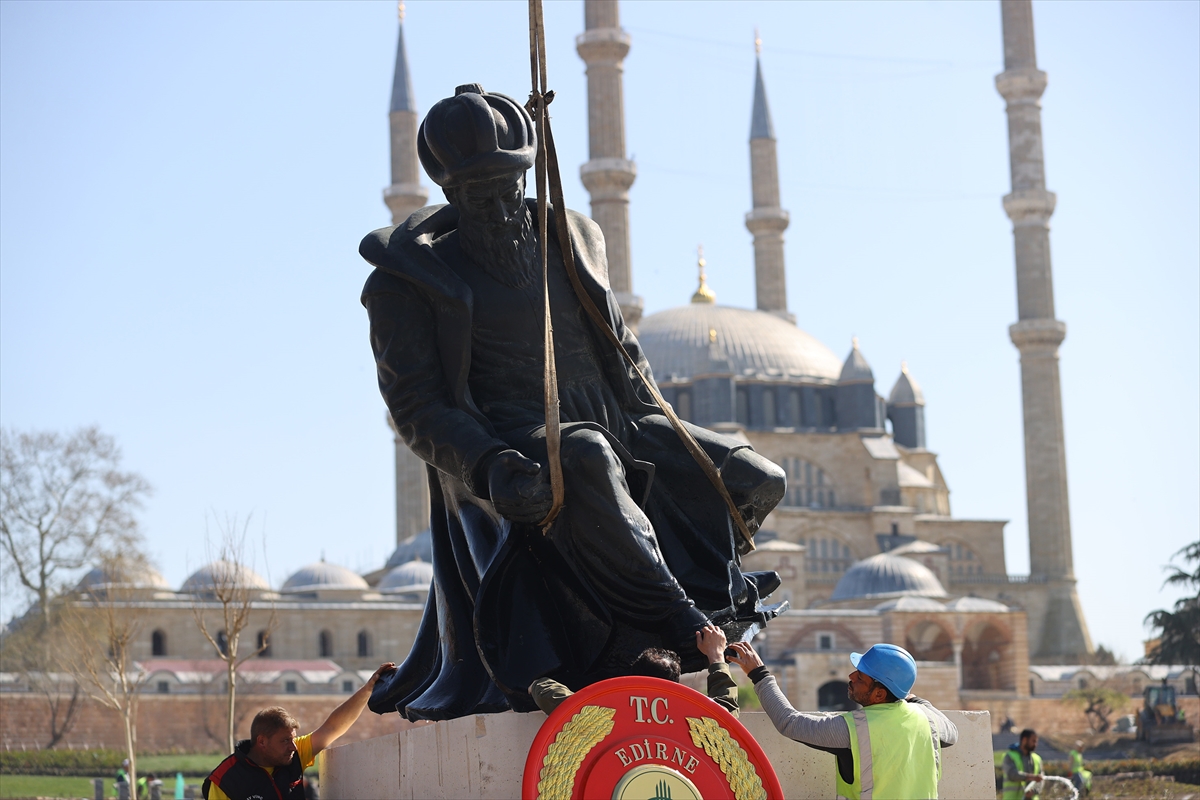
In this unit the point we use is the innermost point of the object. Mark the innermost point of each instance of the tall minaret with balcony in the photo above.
(608, 174)
(1063, 635)
(404, 196)
(767, 221)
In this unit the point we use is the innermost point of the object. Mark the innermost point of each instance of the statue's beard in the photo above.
(508, 251)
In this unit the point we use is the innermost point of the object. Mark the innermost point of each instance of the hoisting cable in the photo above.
(546, 167)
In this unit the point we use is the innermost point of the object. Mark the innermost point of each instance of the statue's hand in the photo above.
(520, 487)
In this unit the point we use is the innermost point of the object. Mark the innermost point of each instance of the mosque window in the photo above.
(770, 420)
(163, 687)
(289, 687)
(825, 641)
(793, 401)
(348, 687)
(808, 485)
(158, 643)
(264, 644)
(364, 644)
(743, 406)
(683, 404)
(325, 644)
(828, 555)
(963, 560)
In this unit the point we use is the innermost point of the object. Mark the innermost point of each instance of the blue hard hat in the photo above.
(889, 664)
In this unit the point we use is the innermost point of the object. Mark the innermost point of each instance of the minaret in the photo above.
(1061, 634)
(406, 194)
(608, 174)
(403, 197)
(767, 220)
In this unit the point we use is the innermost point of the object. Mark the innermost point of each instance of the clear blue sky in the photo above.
(183, 187)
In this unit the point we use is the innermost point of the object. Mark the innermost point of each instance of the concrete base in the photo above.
(483, 757)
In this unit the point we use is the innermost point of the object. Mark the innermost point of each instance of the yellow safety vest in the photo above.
(897, 755)
(1015, 790)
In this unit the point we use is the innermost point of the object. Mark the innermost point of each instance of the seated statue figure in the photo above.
(644, 552)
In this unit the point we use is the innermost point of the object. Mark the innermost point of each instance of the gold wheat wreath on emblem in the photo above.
(582, 732)
(730, 757)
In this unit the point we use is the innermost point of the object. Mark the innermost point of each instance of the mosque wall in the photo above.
(390, 628)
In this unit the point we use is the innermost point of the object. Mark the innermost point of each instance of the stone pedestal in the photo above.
(483, 757)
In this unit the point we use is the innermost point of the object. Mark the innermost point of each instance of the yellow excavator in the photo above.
(1161, 720)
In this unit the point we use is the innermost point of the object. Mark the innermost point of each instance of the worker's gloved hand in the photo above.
(519, 487)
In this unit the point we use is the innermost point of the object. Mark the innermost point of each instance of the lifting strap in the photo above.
(546, 170)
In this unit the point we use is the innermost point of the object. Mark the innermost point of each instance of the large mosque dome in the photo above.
(322, 576)
(224, 573)
(704, 338)
(886, 575)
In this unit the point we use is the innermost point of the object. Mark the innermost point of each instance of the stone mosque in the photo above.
(865, 540)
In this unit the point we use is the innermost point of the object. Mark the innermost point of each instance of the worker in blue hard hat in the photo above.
(890, 748)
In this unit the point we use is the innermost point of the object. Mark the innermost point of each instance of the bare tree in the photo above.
(38, 656)
(102, 627)
(224, 607)
(63, 502)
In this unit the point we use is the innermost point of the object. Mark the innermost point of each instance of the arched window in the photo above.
(158, 643)
(928, 641)
(222, 642)
(264, 644)
(827, 554)
(832, 697)
(986, 658)
(770, 417)
(325, 644)
(364, 644)
(963, 560)
(808, 486)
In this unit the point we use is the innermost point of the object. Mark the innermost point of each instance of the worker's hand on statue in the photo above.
(710, 640)
(519, 487)
(745, 657)
(379, 673)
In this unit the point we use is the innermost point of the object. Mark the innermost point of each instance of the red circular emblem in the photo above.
(649, 739)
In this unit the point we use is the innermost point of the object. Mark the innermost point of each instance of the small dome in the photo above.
(977, 604)
(856, 369)
(416, 547)
(923, 604)
(321, 576)
(917, 547)
(886, 575)
(224, 572)
(704, 338)
(906, 392)
(413, 576)
(145, 577)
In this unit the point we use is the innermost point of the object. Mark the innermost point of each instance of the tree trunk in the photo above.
(128, 713)
(232, 669)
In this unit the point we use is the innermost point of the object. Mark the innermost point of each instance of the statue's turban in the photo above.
(475, 136)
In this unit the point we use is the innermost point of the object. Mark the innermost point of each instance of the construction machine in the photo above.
(1161, 720)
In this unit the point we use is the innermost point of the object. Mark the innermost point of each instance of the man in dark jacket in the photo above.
(271, 763)
(643, 552)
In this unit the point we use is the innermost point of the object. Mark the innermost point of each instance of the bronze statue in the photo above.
(643, 553)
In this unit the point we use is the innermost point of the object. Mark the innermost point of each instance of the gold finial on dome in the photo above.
(904, 367)
(400, 10)
(757, 42)
(703, 293)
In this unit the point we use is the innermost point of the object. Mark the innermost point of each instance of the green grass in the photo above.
(47, 786)
(190, 764)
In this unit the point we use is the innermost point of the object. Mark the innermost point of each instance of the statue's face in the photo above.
(494, 204)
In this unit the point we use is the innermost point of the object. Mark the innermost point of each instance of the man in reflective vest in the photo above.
(1080, 777)
(890, 748)
(1022, 765)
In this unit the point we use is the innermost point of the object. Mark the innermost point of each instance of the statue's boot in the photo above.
(766, 581)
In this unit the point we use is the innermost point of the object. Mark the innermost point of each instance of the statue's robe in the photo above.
(641, 532)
